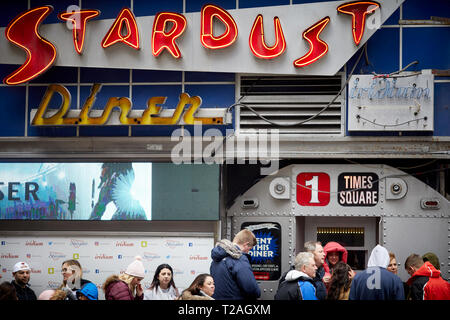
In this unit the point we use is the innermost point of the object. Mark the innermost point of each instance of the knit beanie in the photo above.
(433, 259)
(46, 294)
(136, 268)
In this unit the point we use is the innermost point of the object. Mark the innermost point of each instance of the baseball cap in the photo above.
(19, 266)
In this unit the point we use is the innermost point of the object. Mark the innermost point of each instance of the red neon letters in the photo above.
(125, 18)
(358, 10)
(40, 53)
(258, 44)
(166, 40)
(207, 38)
(317, 47)
(78, 19)
(167, 28)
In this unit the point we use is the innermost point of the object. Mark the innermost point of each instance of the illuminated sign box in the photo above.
(404, 103)
(108, 191)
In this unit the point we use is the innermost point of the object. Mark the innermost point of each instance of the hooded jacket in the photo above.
(426, 284)
(116, 289)
(331, 247)
(376, 282)
(296, 286)
(232, 273)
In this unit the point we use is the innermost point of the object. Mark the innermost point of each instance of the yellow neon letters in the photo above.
(186, 109)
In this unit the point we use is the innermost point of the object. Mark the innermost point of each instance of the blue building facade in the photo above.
(415, 31)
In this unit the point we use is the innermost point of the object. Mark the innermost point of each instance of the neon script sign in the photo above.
(168, 29)
(187, 111)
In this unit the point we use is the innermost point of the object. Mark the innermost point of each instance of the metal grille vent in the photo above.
(289, 100)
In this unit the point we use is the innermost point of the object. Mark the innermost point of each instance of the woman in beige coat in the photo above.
(202, 288)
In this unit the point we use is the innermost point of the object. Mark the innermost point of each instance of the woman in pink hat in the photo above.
(126, 286)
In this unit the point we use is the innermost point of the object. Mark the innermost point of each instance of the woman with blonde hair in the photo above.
(72, 279)
(126, 286)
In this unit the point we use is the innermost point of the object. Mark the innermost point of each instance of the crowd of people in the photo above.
(319, 273)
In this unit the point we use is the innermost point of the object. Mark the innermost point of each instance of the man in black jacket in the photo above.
(298, 284)
(315, 247)
(21, 274)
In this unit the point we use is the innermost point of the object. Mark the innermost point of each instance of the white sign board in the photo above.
(102, 256)
(391, 104)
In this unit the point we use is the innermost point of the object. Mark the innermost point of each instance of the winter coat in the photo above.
(232, 273)
(376, 282)
(331, 247)
(426, 284)
(321, 289)
(24, 293)
(187, 295)
(296, 286)
(116, 289)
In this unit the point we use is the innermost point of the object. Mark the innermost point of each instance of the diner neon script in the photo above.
(149, 116)
(23, 31)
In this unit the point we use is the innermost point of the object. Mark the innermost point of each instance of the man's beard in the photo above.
(21, 282)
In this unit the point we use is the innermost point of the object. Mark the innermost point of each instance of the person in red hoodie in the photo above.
(426, 282)
(334, 253)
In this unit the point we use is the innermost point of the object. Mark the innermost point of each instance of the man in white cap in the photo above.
(21, 273)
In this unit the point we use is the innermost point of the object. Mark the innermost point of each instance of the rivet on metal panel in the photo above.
(271, 290)
(290, 241)
(384, 221)
(384, 242)
(265, 290)
(290, 234)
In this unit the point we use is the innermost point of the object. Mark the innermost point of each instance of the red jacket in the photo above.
(331, 247)
(427, 284)
(116, 289)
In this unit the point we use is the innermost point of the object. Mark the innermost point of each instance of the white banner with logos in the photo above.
(102, 256)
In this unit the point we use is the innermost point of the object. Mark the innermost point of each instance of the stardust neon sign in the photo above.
(169, 28)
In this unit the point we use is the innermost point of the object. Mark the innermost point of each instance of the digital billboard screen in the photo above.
(76, 191)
